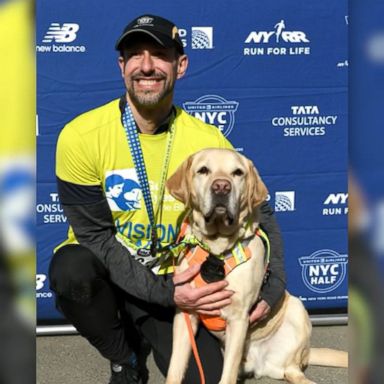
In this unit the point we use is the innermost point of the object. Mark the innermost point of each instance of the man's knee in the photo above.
(74, 272)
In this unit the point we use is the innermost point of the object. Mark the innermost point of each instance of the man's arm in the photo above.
(93, 226)
(273, 289)
(88, 212)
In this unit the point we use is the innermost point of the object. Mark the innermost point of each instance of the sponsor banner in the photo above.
(317, 266)
(336, 204)
(293, 132)
(281, 40)
(197, 37)
(60, 38)
(309, 201)
(215, 110)
(284, 201)
(275, 85)
(324, 270)
(45, 298)
(42, 291)
(304, 120)
(49, 210)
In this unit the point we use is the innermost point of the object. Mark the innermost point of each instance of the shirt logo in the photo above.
(123, 190)
(61, 34)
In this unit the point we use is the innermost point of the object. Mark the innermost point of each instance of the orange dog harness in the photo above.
(198, 253)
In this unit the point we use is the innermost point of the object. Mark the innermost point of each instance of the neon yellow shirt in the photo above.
(93, 150)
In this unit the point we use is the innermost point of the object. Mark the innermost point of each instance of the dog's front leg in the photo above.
(181, 347)
(235, 335)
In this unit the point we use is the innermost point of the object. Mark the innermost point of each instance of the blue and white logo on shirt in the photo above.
(123, 190)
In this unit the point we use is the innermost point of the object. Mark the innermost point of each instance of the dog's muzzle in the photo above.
(220, 201)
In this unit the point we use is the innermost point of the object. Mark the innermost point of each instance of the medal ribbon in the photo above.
(138, 160)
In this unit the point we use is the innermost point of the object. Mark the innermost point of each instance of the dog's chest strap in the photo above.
(215, 268)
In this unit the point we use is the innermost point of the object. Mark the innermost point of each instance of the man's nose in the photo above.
(221, 187)
(147, 64)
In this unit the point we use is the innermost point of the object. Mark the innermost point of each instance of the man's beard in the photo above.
(148, 98)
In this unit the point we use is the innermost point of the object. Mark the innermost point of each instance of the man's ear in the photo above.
(256, 190)
(121, 63)
(182, 65)
(178, 184)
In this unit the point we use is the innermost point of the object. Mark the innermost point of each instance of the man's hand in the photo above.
(206, 300)
(259, 312)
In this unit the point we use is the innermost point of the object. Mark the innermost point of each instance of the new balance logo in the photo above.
(61, 34)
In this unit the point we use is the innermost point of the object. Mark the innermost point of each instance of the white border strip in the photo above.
(50, 330)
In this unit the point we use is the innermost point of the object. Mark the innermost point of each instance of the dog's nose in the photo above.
(221, 187)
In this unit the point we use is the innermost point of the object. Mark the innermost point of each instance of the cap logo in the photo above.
(175, 32)
(144, 20)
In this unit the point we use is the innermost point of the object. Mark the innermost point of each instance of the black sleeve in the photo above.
(93, 226)
(274, 288)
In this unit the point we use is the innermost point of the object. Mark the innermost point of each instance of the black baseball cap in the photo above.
(160, 29)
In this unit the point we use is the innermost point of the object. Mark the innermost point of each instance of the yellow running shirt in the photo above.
(93, 152)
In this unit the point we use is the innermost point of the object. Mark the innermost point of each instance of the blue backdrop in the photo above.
(271, 74)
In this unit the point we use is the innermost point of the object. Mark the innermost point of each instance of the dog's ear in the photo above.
(257, 191)
(178, 184)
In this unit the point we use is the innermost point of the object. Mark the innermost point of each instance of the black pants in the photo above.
(115, 322)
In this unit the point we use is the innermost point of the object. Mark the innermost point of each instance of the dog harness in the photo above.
(215, 268)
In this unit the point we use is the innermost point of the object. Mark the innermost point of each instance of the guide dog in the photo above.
(222, 191)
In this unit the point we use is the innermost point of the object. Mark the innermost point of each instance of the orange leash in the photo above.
(194, 347)
(192, 340)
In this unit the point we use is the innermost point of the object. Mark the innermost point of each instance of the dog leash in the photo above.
(192, 340)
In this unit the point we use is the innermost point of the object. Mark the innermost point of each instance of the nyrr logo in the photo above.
(202, 38)
(285, 201)
(56, 38)
(40, 283)
(336, 204)
(215, 110)
(324, 270)
(277, 37)
(61, 34)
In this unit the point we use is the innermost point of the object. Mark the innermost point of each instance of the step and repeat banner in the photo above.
(270, 74)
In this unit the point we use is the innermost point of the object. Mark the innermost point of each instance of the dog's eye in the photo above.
(203, 171)
(238, 172)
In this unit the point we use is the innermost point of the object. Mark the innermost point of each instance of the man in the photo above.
(109, 258)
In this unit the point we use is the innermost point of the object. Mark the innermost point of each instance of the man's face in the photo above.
(150, 72)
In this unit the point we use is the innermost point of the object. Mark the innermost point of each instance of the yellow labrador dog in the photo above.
(223, 190)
